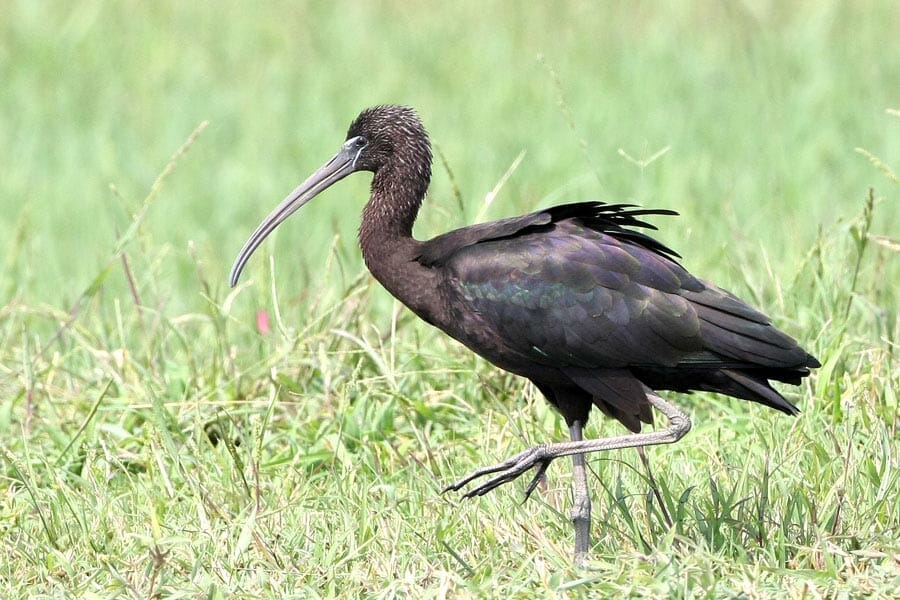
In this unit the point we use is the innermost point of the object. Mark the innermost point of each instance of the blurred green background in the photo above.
(760, 105)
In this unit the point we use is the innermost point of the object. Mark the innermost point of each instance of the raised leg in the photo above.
(541, 456)
(581, 507)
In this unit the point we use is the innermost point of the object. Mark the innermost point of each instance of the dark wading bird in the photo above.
(574, 298)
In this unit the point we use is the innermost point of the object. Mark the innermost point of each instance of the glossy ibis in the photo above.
(575, 298)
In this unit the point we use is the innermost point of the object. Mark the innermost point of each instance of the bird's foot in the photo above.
(510, 469)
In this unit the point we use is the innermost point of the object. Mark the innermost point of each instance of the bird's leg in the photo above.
(543, 455)
(581, 507)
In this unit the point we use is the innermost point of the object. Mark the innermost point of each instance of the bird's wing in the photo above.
(571, 295)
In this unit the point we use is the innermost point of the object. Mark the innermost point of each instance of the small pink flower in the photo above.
(262, 321)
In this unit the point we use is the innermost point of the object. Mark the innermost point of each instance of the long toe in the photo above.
(491, 484)
(481, 472)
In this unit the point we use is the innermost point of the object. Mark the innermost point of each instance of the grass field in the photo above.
(157, 443)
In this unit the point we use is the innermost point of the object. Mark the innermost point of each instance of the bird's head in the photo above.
(380, 137)
(388, 133)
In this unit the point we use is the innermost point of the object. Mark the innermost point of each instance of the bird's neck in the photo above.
(392, 207)
(398, 189)
(386, 241)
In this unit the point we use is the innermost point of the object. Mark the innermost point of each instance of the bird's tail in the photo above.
(753, 385)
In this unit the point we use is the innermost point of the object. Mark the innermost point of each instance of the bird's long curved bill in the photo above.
(343, 163)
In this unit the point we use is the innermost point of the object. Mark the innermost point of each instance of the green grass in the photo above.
(124, 355)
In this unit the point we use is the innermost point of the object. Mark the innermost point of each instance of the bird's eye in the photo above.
(356, 144)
